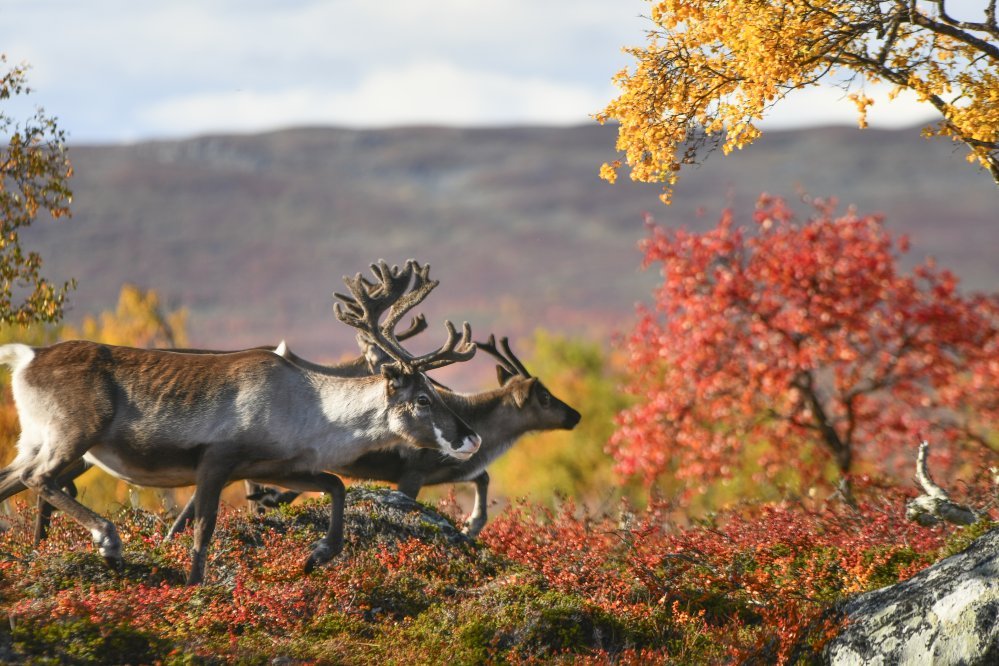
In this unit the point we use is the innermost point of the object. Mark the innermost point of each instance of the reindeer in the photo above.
(521, 404)
(501, 416)
(260, 498)
(165, 419)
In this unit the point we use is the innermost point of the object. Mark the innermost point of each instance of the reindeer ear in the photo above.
(395, 376)
(503, 375)
(522, 391)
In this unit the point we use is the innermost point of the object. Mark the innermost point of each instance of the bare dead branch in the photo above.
(935, 505)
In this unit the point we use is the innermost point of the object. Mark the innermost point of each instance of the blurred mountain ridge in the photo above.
(252, 233)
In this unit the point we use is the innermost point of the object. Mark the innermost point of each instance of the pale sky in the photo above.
(121, 71)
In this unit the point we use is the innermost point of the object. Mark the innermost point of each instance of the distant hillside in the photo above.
(253, 233)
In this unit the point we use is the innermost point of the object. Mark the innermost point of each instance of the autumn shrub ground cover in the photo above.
(776, 360)
(540, 585)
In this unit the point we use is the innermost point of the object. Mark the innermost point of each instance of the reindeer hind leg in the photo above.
(45, 510)
(104, 534)
(10, 482)
(183, 518)
(45, 474)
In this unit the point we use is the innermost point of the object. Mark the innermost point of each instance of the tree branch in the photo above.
(988, 26)
(841, 450)
(935, 505)
(953, 30)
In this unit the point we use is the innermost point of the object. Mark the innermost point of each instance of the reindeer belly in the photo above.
(145, 469)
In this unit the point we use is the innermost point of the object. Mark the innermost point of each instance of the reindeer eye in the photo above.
(545, 398)
(422, 400)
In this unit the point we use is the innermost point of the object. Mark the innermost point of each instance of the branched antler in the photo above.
(506, 359)
(417, 325)
(392, 284)
(396, 292)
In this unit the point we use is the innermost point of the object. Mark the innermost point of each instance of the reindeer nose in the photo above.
(468, 445)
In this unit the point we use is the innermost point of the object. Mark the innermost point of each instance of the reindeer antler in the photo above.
(417, 325)
(457, 349)
(396, 292)
(506, 358)
(392, 284)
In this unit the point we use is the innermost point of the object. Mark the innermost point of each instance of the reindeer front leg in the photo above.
(330, 545)
(212, 477)
(477, 519)
(410, 484)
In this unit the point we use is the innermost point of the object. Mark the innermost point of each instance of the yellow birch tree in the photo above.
(34, 171)
(712, 68)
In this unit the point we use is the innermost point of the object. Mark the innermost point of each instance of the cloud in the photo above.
(114, 70)
(429, 92)
(118, 70)
(828, 105)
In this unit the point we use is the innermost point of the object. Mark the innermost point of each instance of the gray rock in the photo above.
(946, 614)
(373, 515)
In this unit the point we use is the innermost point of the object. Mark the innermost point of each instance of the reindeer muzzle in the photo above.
(466, 448)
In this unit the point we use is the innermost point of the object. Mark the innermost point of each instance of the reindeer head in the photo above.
(415, 411)
(527, 392)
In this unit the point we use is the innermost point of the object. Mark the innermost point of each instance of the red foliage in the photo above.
(639, 588)
(797, 334)
(761, 577)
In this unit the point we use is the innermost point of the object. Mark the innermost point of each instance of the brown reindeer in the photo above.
(501, 416)
(165, 419)
(367, 363)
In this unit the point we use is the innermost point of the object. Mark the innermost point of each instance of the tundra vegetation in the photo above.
(753, 473)
(709, 561)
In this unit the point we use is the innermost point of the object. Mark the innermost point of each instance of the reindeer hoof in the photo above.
(322, 553)
(109, 546)
(472, 529)
(115, 563)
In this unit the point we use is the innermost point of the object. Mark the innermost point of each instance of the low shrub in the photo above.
(541, 585)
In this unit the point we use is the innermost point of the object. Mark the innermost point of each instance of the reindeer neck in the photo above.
(357, 406)
(492, 413)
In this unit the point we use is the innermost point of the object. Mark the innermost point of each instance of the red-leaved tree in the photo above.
(807, 341)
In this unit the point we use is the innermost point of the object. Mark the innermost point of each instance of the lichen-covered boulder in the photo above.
(372, 515)
(946, 614)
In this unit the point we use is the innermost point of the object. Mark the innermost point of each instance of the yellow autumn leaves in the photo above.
(138, 320)
(712, 68)
(34, 175)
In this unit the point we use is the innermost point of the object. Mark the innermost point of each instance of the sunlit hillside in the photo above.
(253, 233)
